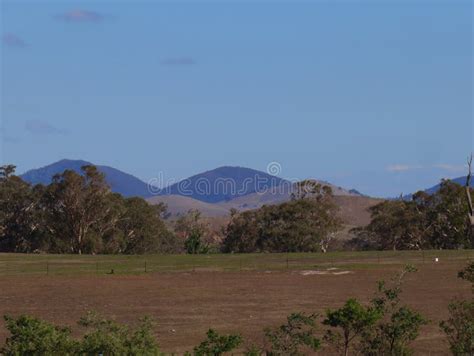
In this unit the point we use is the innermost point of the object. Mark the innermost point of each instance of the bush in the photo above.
(296, 334)
(398, 325)
(216, 345)
(107, 337)
(31, 336)
(459, 328)
(349, 323)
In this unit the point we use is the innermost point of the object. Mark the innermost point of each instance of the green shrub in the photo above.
(348, 324)
(295, 335)
(107, 337)
(459, 328)
(398, 325)
(32, 336)
(216, 345)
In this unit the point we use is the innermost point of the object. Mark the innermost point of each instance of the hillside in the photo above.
(459, 180)
(353, 209)
(276, 195)
(120, 182)
(223, 184)
(179, 205)
(435, 188)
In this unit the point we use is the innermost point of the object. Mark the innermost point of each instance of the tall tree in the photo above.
(76, 205)
(427, 221)
(469, 200)
(144, 230)
(306, 223)
(194, 231)
(19, 223)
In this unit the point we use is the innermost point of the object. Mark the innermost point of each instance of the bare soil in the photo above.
(186, 304)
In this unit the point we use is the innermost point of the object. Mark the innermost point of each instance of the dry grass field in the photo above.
(231, 293)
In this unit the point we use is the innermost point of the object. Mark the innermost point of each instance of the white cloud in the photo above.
(402, 167)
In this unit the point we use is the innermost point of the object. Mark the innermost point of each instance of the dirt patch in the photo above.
(185, 305)
(329, 271)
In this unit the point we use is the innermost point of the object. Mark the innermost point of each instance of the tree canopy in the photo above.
(77, 213)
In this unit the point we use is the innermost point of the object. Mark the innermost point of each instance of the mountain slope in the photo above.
(223, 184)
(120, 182)
(178, 205)
(459, 180)
(277, 195)
(435, 188)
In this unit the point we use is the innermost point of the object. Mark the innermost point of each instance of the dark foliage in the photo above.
(437, 221)
(77, 213)
(307, 223)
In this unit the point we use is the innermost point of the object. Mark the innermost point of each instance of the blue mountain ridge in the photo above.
(120, 182)
(220, 184)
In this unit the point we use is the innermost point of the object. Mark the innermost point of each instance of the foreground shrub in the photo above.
(31, 336)
(294, 336)
(216, 345)
(459, 328)
(398, 325)
(107, 337)
(348, 324)
(383, 328)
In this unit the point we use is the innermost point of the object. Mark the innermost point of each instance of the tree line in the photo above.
(384, 326)
(426, 221)
(77, 213)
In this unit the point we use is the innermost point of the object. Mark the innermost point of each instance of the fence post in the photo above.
(47, 267)
(287, 262)
(240, 263)
(423, 255)
(145, 267)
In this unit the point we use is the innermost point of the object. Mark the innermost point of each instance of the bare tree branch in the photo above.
(468, 190)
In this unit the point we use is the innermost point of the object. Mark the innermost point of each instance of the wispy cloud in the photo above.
(402, 167)
(12, 40)
(442, 166)
(178, 61)
(81, 16)
(450, 167)
(40, 127)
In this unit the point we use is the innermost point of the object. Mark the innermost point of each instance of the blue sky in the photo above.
(371, 95)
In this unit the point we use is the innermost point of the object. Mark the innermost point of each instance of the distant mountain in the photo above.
(223, 184)
(229, 187)
(353, 208)
(179, 205)
(277, 195)
(120, 182)
(435, 188)
(460, 181)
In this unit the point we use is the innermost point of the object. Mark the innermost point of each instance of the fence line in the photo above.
(16, 264)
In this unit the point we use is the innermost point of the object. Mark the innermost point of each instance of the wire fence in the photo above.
(22, 264)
